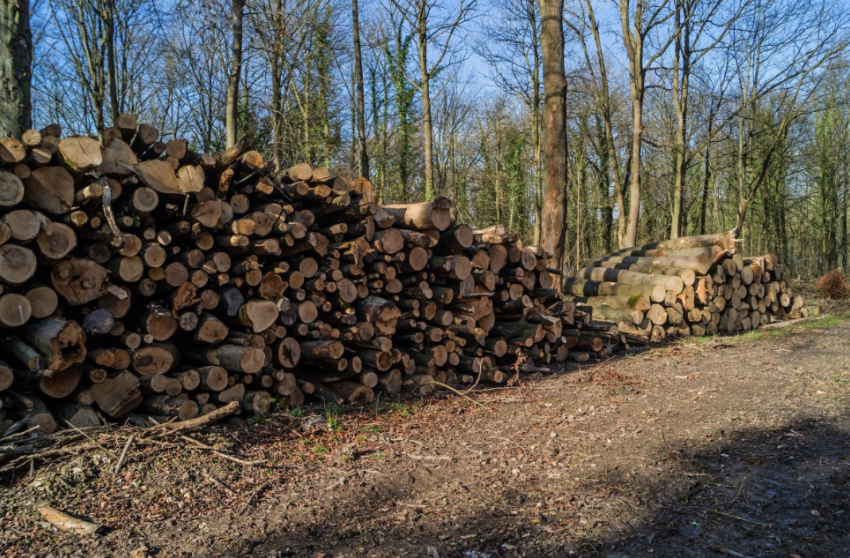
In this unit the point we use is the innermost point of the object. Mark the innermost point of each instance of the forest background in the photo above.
(682, 116)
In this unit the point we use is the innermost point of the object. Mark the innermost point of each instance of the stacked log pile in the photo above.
(139, 276)
(698, 285)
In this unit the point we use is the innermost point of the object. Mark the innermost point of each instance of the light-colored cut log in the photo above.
(582, 287)
(235, 358)
(669, 282)
(118, 159)
(212, 378)
(159, 175)
(61, 384)
(259, 315)
(435, 214)
(190, 179)
(80, 154)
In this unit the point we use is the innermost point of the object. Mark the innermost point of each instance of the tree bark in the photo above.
(427, 125)
(360, 102)
(553, 239)
(232, 103)
(15, 68)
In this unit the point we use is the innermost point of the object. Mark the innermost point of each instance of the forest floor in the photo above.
(730, 446)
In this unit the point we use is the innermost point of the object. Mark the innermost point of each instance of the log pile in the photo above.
(698, 285)
(139, 276)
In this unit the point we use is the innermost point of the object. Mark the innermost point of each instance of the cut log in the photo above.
(58, 242)
(159, 176)
(212, 378)
(15, 310)
(432, 215)
(59, 341)
(155, 358)
(61, 384)
(17, 264)
(166, 405)
(11, 189)
(118, 395)
(257, 402)
(78, 281)
(259, 315)
(210, 329)
(33, 409)
(353, 393)
(118, 159)
(235, 358)
(80, 154)
(50, 189)
(78, 416)
(6, 376)
(669, 282)
(700, 260)
(582, 287)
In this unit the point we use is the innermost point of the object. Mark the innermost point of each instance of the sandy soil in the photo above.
(704, 448)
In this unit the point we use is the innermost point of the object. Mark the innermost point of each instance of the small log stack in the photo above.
(697, 285)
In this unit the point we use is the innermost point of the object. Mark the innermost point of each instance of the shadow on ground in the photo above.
(760, 493)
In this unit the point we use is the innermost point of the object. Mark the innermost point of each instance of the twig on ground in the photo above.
(728, 552)
(219, 483)
(253, 496)
(203, 420)
(124, 453)
(739, 518)
(436, 383)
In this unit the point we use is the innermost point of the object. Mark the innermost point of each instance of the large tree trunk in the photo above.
(681, 77)
(15, 63)
(109, 30)
(633, 42)
(427, 126)
(552, 238)
(360, 102)
(535, 128)
(232, 107)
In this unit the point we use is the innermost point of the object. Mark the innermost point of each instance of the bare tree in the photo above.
(699, 26)
(778, 52)
(587, 20)
(553, 238)
(433, 31)
(283, 30)
(637, 25)
(512, 48)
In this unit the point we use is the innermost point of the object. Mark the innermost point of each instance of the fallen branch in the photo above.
(65, 522)
(177, 426)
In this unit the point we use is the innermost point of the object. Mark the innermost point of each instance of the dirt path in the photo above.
(735, 447)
